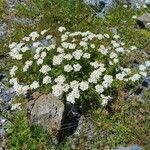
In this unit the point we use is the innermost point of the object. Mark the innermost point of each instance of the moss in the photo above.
(23, 135)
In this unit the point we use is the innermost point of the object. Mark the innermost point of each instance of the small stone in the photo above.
(2, 132)
(144, 21)
(3, 30)
(46, 111)
(133, 147)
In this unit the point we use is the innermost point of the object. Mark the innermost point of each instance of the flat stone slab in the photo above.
(144, 20)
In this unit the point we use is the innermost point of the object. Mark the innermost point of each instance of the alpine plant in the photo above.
(72, 65)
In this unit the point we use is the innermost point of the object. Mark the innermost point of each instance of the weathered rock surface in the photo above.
(103, 6)
(133, 147)
(144, 20)
(46, 111)
(3, 30)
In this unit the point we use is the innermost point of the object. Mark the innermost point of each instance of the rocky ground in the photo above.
(46, 110)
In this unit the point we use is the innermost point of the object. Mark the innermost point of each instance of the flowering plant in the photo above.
(75, 67)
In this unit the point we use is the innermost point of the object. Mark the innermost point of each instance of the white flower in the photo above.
(134, 17)
(135, 77)
(120, 76)
(60, 79)
(12, 45)
(47, 80)
(125, 6)
(142, 68)
(103, 50)
(77, 54)
(49, 37)
(147, 63)
(105, 100)
(34, 85)
(27, 39)
(34, 35)
(113, 55)
(68, 56)
(115, 44)
(94, 64)
(65, 45)
(15, 106)
(39, 61)
(108, 78)
(43, 55)
(77, 67)
(119, 49)
(100, 36)
(61, 29)
(36, 44)
(68, 68)
(74, 84)
(70, 98)
(84, 85)
(45, 69)
(116, 60)
(13, 81)
(99, 88)
(27, 65)
(72, 46)
(133, 48)
(60, 50)
(107, 36)
(24, 49)
(13, 71)
(57, 90)
(52, 46)
(144, 74)
(84, 44)
(86, 55)
(43, 32)
(116, 36)
(92, 46)
(66, 87)
(57, 59)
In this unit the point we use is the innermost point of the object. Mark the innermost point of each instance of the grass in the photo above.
(129, 122)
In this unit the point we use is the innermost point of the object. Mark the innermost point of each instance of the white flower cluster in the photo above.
(75, 65)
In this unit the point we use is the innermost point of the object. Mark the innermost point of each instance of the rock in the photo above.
(12, 3)
(101, 7)
(146, 82)
(133, 147)
(85, 126)
(3, 30)
(2, 132)
(46, 111)
(147, 2)
(144, 20)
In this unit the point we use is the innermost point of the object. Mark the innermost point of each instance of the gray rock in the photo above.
(46, 111)
(144, 20)
(3, 30)
(147, 2)
(101, 7)
(85, 126)
(2, 132)
(133, 147)
(12, 3)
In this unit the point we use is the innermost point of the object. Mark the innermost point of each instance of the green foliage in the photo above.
(23, 135)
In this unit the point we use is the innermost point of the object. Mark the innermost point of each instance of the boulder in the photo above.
(144, 20)
(46, 111)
